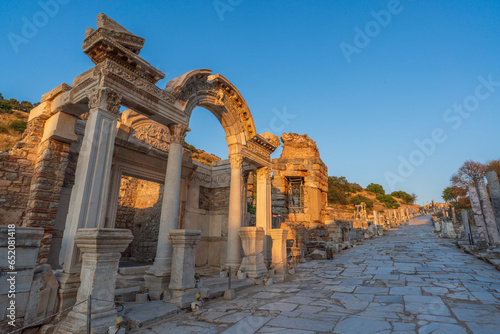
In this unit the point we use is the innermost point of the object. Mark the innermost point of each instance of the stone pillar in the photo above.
(494, 187)
(478, 214)
(334, 231)
(375, 217)
(489, 216)
(453, 215)
(90, 192)
(101, 250)
(235, 209)
(252, 239)
(264, 210)
(158, 276)
(465, 220)
(279, 257)
(182, 285)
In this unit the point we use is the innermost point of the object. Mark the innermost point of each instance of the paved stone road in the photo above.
(408, 281)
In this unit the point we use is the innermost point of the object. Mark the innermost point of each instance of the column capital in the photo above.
(105, 98)
(236, 161)
(263, 173)
(178, 132)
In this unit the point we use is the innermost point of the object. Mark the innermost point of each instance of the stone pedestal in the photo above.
(158, 276)
(494, 187)
(235, 213)
(181, 289)
(279, 256)
(27, 243)
(252, 239)
(101, 250)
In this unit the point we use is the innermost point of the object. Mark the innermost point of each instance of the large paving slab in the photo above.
(407, 281)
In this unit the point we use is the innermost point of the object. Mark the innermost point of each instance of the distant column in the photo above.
(494, 186)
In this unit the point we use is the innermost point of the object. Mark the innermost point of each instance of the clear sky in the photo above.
(364, 79)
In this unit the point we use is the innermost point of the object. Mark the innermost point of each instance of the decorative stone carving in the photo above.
(236, 161)
(178, 133)
(105, 98)
(263, 173)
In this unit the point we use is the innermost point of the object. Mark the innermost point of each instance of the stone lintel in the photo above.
(60, 127)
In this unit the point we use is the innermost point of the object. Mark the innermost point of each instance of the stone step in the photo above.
(215, 287)
(144, 315)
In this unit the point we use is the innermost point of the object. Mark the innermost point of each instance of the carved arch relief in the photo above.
(219, 96)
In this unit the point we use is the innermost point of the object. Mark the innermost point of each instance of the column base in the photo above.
(181, 298)
(254, 266)
(68, 288)
(76, 323)
(156, 285)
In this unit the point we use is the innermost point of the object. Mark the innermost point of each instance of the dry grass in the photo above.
(9, 137)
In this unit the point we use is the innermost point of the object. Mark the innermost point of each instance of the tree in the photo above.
(5, 106)
(375, 188)
(467, 173)
(450, 194)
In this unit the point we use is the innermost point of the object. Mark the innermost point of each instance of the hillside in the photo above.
(11, 128)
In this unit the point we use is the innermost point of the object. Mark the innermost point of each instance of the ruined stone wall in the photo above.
(300, 158)
(16, 171)
(139, 209)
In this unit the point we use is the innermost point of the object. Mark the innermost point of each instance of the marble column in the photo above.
(252, 239)
(264, 209)
(489, 216)
(182, 284)
(453, 215)
(478, 214)
(101, 250)
(279, 256)
(494, 187)
(375, 217)
(235, 216)
(90, 193)
(158, 276)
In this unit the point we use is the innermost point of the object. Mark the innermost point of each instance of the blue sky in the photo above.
(365, 111)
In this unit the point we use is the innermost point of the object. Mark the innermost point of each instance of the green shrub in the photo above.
(358, 199)
(407, 198)
(251, 208)
(339, 189)
(389, 201)
(18, 125)
(5, 107)
(375, 188)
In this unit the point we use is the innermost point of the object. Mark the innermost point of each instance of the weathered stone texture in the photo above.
(139, 207)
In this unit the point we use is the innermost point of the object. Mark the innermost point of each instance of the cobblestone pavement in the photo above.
(408, 281)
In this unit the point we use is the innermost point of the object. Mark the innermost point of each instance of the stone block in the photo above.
(43, 295)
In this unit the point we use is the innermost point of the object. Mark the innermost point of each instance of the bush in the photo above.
(407, 198)
(375, 188)
(251, 208)
(5, 107)
(339, 189)
(358, 199)
(389, 201)
(18, 125)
